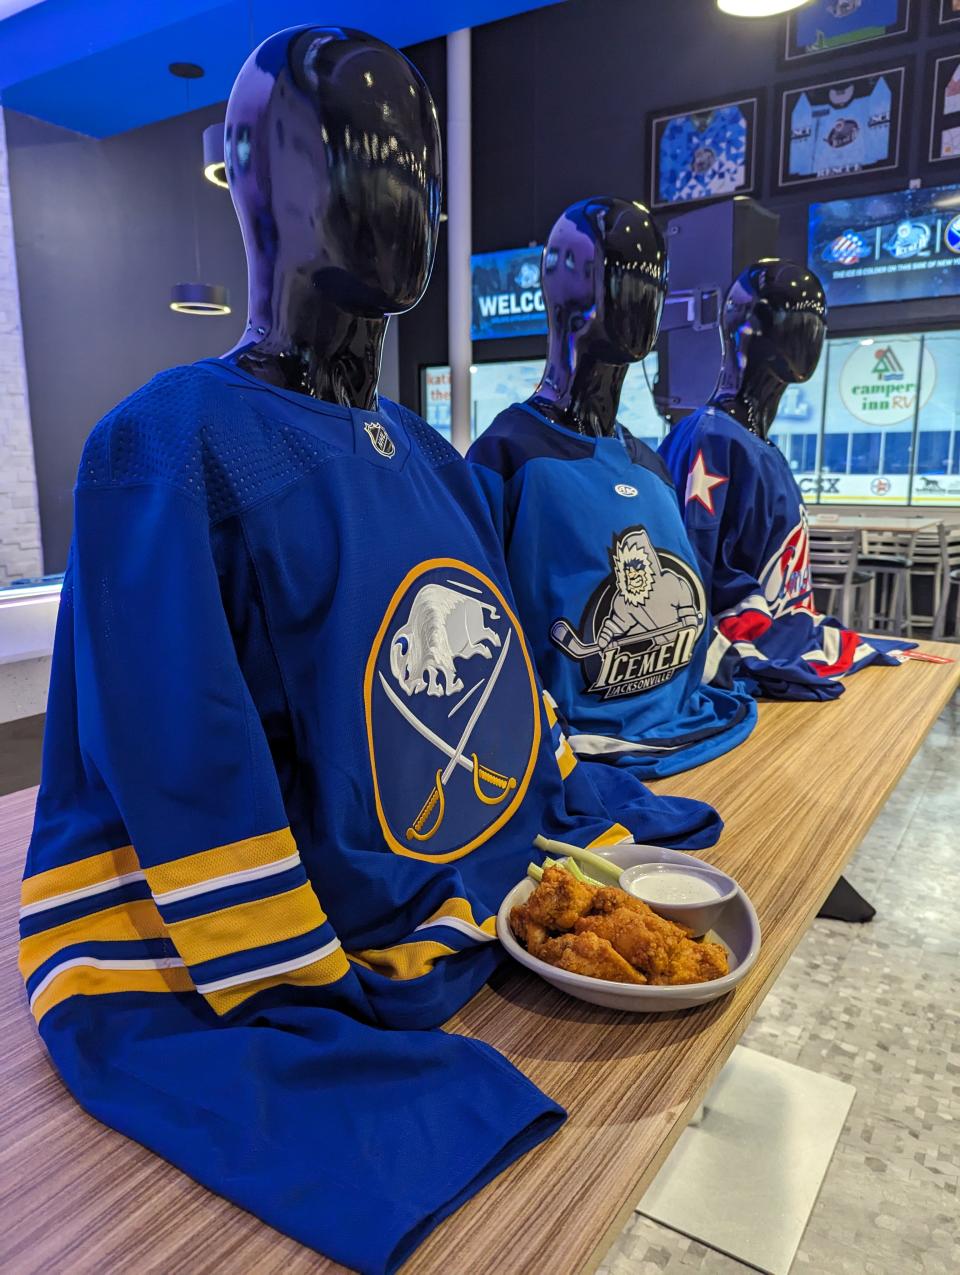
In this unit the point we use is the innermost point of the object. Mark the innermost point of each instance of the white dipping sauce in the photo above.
(673, 887)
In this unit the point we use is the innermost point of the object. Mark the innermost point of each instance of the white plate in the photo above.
(738, 929)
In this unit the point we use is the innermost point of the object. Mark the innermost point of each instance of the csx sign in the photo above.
(824, 486)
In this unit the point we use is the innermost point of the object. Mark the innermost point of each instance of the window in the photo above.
(801, 451)
(877, 423)
(836, 453)
(938, 423)
(897, 448)
(495, 386)
(865, 454)
(933, 451)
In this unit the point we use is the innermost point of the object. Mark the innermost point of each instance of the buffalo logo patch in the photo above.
(641, 625)
(453, 713)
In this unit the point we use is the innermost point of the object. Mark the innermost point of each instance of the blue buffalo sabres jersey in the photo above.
(747, 521)
(608, 592)
(296, 755)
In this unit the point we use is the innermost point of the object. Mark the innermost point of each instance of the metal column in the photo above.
(459, 234)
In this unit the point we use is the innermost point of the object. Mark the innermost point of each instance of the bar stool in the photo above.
(834, 568)
(935, 555)
(955, 580)
(889, 554)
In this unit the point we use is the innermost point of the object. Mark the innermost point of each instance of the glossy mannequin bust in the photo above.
(604, 278)
(773, 327)
(332, 150)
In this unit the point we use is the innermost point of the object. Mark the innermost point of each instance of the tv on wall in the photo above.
(896, 247)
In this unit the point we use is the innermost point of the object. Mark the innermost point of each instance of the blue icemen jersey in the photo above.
(296, 755)
(608, 592)
(747, 521)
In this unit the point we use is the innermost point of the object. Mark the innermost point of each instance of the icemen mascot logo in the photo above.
(453, 713)
(641, 625)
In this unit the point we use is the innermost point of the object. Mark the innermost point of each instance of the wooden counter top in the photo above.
(797, 797)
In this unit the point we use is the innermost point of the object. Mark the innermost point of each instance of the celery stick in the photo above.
(566, 865)
(606, 870)
(571, 866)
(575, 870)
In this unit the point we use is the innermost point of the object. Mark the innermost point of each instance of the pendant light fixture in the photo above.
(214, 143)
(214, 163)
(758, 8)
(196, 297)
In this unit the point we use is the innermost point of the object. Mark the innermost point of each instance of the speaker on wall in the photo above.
(707, 248)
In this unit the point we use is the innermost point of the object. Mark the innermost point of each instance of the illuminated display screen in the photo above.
(507, 300)
(897, 247)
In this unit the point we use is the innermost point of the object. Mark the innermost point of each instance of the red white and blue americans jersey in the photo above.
(296, 754)
(746, 519)
(609, 593)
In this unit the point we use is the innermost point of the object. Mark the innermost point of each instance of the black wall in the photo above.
(560, 103)
(560, 100)
(103, 229)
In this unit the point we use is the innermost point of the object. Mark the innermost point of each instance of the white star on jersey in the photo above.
(700, 483)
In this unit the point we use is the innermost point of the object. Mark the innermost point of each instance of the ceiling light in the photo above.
(186, 71)
(758, 8)
(196, 298)
(214, 164)
(199, 298)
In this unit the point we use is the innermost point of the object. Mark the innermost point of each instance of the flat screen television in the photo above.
(897, 247)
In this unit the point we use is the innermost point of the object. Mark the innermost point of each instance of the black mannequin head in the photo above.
(604, 277)
(333, 159)
(773, 326)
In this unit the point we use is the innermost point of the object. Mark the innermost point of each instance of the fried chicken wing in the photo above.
(558, 900)
(609, 898)
(695, 963)
(588, 954)
(616, 936)
(645, 940)
(528, 932)
(663, 951)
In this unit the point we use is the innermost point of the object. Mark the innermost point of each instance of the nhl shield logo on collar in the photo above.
(380, 439)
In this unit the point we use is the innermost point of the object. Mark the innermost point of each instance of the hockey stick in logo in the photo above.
(437, 797)
(570, 641)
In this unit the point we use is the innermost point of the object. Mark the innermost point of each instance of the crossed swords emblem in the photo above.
(436, 800)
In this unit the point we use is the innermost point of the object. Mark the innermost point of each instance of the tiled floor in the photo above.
(878, 1006)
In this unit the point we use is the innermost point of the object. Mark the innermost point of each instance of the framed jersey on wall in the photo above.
(842, 128)
(949, 12)
(824, 27)
(944, 79)
(703, 152)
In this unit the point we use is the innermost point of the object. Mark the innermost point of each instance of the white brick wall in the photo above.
(20, 553)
